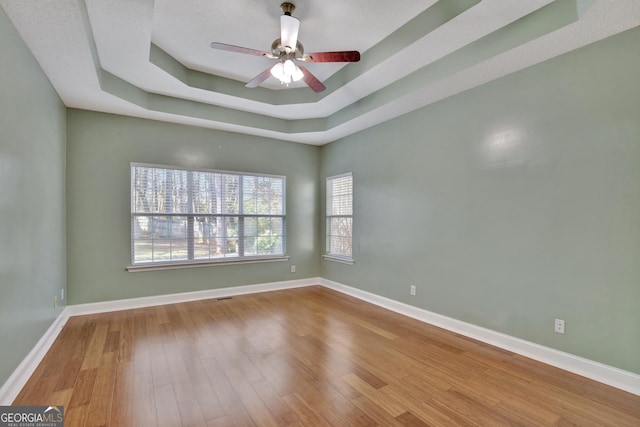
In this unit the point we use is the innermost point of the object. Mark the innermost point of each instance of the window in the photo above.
(186, 216)
(340, 216)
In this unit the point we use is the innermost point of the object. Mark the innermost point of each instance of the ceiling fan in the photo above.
(287, 49)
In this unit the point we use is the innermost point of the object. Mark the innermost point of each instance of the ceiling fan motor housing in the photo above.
(287, 8)
(278, 50)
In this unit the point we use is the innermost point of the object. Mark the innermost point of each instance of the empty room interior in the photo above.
(317, 213)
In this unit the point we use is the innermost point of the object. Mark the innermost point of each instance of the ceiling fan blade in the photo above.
(341, 56)
(289, 27)
(311, 80)
(238, 49)
(257, 80)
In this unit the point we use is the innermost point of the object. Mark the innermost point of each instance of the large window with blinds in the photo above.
(339, 216)
(186, 216)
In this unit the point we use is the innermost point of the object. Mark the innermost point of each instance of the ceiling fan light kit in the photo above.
(288, 49)
(287, 72)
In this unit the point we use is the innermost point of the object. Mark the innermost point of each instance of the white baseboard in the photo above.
(126, 304)
(614, 377)
(624, 380)
(25, 369)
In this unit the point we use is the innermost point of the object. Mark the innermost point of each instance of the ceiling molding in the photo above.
(449, 47)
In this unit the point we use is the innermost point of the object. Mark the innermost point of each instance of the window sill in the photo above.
(342, 260)
(178, 265)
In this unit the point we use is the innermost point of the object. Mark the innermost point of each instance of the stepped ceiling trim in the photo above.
(151, 58)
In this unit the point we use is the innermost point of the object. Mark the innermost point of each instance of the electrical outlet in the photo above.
(293, 268)
(559, 326)
(55, 301)
(412, 289)
(62, 294)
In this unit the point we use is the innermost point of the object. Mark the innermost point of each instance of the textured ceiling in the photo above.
(151, 58)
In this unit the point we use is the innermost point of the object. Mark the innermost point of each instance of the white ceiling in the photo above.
(151, 58)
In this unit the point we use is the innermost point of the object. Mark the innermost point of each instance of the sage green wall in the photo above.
(32, 194)
(512, 204)
(100, 148)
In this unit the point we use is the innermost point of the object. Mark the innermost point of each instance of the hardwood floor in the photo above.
(302, 357)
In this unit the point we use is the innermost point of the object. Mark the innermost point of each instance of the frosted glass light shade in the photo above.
(277, 70)
(297, 74)
(289, 27)
(289, 67)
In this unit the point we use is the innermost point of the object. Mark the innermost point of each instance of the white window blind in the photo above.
(192, 215)
(340, 215)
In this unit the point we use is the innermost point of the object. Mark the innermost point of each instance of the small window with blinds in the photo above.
(339, 216)
(183, 216)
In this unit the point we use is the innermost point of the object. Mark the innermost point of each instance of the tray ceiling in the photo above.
(151, 58)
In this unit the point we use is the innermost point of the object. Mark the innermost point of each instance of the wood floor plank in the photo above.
(467, 410)
(524, 414)
(74, 354)
(122, 409)
(572, 404)
(160, 369)
(329, 405)
(375, 412)
(76, 416)
(220, 422)
(93, 354)
(410, 420)
(191, 413)
(231, 402)
(99, 407)
(83, 388)
(127, 339)
(39, 393)
(62, 397)
(167, 411)
(386, 402)
(209, 402)
(281, 412)
(302, 357)
(250, 399)
(434, 416)
(305, 414)
(609, 396)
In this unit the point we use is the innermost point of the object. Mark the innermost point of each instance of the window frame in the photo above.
(329, 256)
(192, 218)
